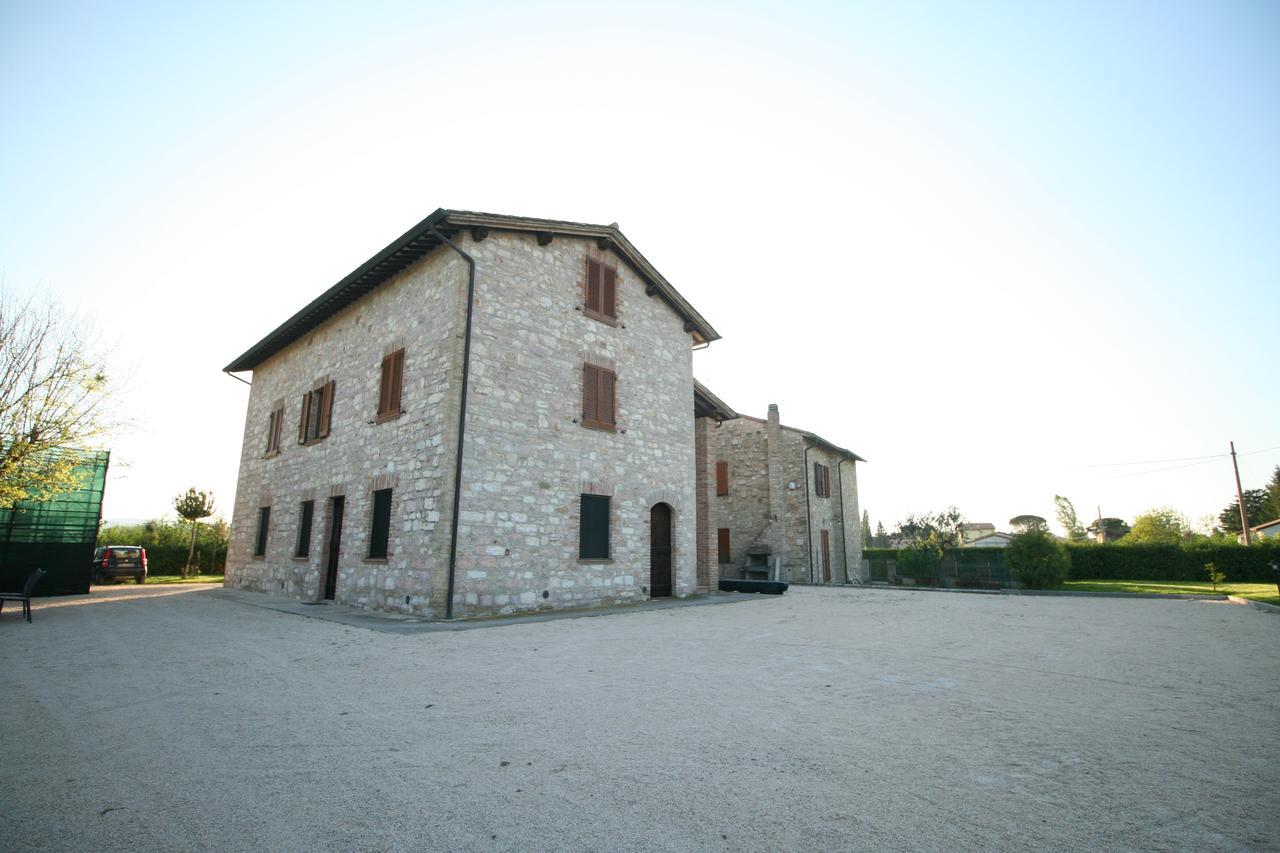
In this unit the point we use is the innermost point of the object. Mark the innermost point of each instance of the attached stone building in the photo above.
(493, 414)
(781, 502)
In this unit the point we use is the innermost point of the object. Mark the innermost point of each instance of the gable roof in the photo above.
(708, 405)
(811, 436)
(419, 241)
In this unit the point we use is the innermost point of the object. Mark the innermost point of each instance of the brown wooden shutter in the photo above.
(302, 424)
(397, 381)
(593, 285)
(826, 556)
(722, 546)
(608, 397)
(609, 293)
(326, 409)
(590, 393)
(384, 387)
(722, 478)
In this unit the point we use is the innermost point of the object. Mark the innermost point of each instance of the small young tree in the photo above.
(1037, 560)
(1215, 577)
(866, 529)
(193, 506)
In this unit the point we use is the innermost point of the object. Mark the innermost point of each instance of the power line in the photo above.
(1170, 468)
(1150, 461)
(1196, 459)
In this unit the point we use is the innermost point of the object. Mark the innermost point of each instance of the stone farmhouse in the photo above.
(493, 414)
(781, 503)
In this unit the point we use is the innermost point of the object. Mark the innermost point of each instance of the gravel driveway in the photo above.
(170, 718)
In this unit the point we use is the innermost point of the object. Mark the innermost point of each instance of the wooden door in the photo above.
(660, 551)
(335, 545)
(826, 556)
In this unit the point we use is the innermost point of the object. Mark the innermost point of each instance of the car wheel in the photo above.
(140, 578)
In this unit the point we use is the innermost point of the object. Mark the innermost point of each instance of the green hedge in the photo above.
(1173, 562)
(1123, 562)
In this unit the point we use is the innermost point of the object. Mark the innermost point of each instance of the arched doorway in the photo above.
(660, 551)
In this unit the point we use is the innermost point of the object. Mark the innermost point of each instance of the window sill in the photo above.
(603, 318)
(595, 560)
(375, 560)
(298, 559)
(271, 454)
(312, 441)
(597, 425)
(388, 416)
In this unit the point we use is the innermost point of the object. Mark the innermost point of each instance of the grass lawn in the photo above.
(179, 579)
(1258, 591)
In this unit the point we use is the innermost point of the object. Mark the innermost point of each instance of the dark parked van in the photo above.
(120, 561)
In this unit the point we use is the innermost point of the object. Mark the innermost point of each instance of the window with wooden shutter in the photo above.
(599, 397)
(601, 298)
(392, 382)
(722, 546)
(317, 409)
(593, 528)
(275, 428)
(722, 478)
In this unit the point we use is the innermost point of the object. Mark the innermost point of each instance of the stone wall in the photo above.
(420, 310)
(527, 459)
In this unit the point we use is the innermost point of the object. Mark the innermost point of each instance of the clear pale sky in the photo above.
(981, 244)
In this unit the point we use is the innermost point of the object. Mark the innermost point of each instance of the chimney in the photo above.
(777, 490)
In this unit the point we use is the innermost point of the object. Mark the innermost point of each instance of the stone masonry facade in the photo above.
(527, 458)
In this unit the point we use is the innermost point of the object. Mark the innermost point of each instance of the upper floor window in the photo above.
(317, 407)
(392, 381)
(275, 426)
(821, 480)
(599, 397)
(601, 298)
(722, 478)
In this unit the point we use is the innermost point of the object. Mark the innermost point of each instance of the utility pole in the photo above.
(1244, 516)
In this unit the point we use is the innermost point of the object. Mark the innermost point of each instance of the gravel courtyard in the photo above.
(171, 718)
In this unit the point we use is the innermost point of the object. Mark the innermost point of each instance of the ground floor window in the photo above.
(380, 532)
(305, 515)
(593, 528)
(264, 520)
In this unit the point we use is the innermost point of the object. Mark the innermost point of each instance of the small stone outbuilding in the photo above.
(782, 503)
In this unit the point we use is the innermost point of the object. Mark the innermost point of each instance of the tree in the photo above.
(192, 507)
(1256, 506)
(1159, 526)
(53, 387)
(1027, 523)
(1272, 509)
(866, 529)
(941, 529)
(882, 537)
(1067, 518)
(1037, 560)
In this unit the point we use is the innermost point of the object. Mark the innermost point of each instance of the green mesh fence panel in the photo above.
(56, 535)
